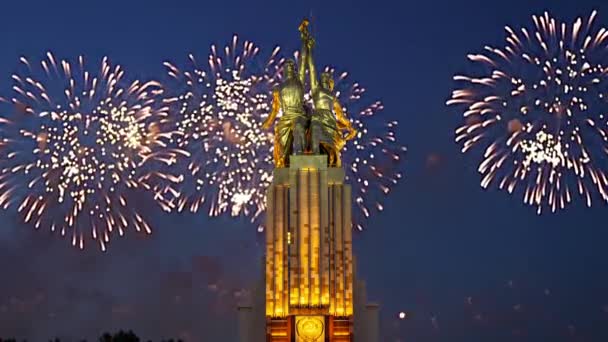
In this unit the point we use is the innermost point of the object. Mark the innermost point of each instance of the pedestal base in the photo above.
(309, 267)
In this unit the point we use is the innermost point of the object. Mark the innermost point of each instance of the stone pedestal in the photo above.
(309, 267)
(309, 250)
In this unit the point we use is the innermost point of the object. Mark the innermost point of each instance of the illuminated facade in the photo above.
(309, 289)
(309, 272)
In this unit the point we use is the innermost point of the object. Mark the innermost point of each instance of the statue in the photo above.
(290, 131)
(326, 127)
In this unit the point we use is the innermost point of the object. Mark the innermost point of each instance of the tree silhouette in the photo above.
(120, 336)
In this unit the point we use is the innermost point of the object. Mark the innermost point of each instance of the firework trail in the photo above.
(78, 148)
(538, 110)
(222, 104)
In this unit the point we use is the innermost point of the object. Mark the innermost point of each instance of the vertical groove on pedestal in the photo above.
(339, 243)
(330, 239)
(303, 211)
(309, 215)
(270, 252)
(348, 249)
(294, 224)
(285, 218)
(315, 238)
(324, 232)
(279, 229)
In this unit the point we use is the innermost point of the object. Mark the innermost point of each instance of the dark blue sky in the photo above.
(440, 240)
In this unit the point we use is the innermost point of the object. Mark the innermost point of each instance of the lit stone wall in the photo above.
(309, 241)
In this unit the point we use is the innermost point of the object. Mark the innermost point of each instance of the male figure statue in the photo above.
(290, 131)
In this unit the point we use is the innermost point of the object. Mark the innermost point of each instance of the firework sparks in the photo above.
(538, 107)
(222, 105)
(79, 146)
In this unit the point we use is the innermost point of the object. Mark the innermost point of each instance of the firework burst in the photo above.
(537, 108)
(222, 105)
(79, 147)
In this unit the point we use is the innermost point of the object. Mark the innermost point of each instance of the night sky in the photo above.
(465, 264)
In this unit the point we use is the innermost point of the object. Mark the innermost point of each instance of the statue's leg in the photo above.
(332, 157)
(331, 151)
(299, 136)
(338, 144)
(308, 138)
(279, 160)
(315, 138)
(337, 160)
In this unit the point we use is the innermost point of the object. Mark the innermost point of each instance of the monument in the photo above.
(310, 293)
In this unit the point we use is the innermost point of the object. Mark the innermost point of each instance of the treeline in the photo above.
(121, 336)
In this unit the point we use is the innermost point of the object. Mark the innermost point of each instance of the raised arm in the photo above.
(304, 51)
(276, 105)
(314, 81)
(303, 59)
